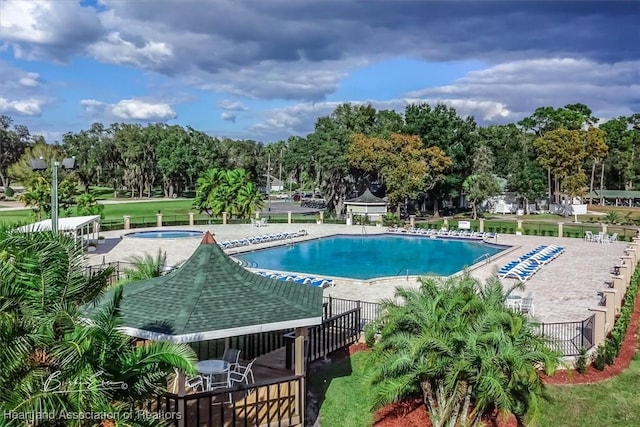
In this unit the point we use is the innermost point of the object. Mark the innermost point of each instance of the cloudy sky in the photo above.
(266, 69)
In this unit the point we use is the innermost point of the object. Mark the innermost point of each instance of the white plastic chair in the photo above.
(242, 374)
(588, 236)
(231, 355)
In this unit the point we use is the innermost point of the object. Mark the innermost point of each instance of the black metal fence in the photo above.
(271, 402)
(336, 332)
(566, 337)
(569, 337)
(370, 311)
(118, 272)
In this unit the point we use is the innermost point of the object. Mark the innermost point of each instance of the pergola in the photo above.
(82, 228)
(617, 195)
(212, 297)
(367, 204)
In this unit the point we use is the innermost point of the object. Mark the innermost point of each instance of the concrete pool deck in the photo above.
(563, 290)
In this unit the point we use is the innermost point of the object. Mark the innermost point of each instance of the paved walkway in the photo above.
(563, 290)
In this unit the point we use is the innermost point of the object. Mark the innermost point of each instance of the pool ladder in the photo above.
(481, 257)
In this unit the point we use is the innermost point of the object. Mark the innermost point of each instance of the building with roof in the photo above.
(367, 204)
(211, 297)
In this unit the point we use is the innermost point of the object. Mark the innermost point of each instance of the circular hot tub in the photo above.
(165, 234)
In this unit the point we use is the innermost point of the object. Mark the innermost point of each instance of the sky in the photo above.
(267, 69)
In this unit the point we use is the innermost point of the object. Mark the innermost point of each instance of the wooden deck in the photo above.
(272, 400)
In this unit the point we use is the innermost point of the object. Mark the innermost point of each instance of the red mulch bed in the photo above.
(627, 351)
(412, 413)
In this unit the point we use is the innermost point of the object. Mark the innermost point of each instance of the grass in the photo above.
(147, 210)
(344, 392)
(613, 403)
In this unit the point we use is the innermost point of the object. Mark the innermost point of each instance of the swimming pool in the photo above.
(165, 234)
(368, 257)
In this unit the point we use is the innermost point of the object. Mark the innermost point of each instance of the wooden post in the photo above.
(191, 222)
(299, 368)
(599, 325)
(321, 217)
(445, 224)
(560, 224)
(182, 408)
(257, 214)
(159, 219)
(481, 226)
(288, 217)
(604, 228)
(412, 220)
(127, 222)
(224, 218)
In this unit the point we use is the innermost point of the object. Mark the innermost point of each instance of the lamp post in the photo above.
(41, 165)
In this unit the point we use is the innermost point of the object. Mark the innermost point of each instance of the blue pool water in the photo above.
(367, 257)
(168, 234)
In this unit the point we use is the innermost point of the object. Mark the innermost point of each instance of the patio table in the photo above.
(214, 368)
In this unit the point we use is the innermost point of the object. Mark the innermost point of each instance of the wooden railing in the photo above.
(263, 403)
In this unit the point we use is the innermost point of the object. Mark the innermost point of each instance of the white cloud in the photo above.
(522, 86)
(30, 80)
(52, 30)
(229, 117)
(146, 55)
(26, 107)
(226, 104)
(130, 109)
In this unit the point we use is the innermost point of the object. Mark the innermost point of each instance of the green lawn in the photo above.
(612, 403)
(343, 392)
(147, 210)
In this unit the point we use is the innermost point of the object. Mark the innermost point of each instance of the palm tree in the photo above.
(249, 200)
(455, 343)
(206, 187)
(52, 358)
(146, 266)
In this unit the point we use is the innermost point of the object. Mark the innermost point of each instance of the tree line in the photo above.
(423, 157)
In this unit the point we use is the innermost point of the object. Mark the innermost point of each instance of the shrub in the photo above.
(612, 217)
(581, 361)
(369, 335)
(9, 192)
(599, 362)
(390, 219)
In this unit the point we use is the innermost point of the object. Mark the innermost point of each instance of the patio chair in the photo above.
(613, 238)
(526, 307)
(242, 374)
(588, 236)
(196, 383)
(231, 355)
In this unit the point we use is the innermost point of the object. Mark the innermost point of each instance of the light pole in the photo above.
(41, 165)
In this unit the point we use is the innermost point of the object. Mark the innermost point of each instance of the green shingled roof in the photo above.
(614, 194)
(366, 197)
(210, 296)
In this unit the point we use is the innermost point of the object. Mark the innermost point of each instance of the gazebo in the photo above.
(367, 204)
(82, 228)
(211, 297)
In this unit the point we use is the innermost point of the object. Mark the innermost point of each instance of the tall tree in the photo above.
(563, 152)
(596, 150)
(478, 188)
(85, 146)
(441, 126)
(13, 143)
(406, 166)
